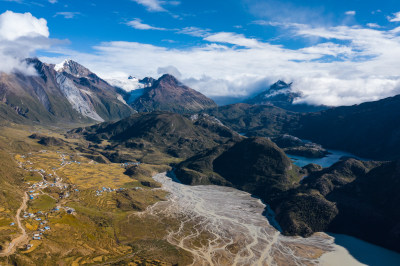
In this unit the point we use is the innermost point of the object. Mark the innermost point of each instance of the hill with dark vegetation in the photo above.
(368, 130)
(351, 197)
(164, 132)
(255, 165)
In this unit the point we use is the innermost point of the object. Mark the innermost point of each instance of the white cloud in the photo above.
(374, 25)
(67, 15)
(20, 36)
(169, 70)
(395, 18)
(350, 13)
(137, 24)
(15, 25)
(233, 38)
(53, 1)
(158, 5)
(346, 65)
(195, 31)
(152, 5)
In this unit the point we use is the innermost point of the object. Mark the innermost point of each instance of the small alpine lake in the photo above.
(327, 161)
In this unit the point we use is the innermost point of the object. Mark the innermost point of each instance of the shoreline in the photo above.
(351, 251)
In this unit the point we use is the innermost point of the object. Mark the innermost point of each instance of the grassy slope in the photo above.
(101, 230)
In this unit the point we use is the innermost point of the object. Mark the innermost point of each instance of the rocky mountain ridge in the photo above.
(67, 92)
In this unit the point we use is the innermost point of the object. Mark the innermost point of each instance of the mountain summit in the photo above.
(282, 94)
(169, 94)
(279, 92)
(73, 68)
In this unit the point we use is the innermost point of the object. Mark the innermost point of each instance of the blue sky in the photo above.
(336, 52)
(87, 23)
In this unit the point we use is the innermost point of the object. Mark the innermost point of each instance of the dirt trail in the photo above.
(22, 238)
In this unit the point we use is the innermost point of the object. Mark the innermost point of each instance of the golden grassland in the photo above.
(94, 175)
(104, 228)
(43, 203)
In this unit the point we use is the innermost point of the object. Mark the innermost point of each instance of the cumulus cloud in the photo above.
(347, 65)
(137, 24)
(15, 25)
(20, 36)
(169, 70)
(53, 1)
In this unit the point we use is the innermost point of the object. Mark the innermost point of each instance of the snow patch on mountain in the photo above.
(76, 98)
(127, 84)
(60, 67)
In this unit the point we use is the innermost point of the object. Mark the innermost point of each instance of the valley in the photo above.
(72, 209)
(201, 133)
(166, 179)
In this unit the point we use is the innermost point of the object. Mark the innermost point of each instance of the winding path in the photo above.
(22, 238)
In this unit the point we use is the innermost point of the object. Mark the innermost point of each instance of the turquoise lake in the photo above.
(327, 161)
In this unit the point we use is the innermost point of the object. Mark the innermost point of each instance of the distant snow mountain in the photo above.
(278, 92)
(131, 83)
(283, 95)
(127, 84)
(131, 87)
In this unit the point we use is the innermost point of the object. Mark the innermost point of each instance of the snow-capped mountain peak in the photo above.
(59, 67)
(73, 68)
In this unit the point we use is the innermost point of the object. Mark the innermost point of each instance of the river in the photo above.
(225, 226)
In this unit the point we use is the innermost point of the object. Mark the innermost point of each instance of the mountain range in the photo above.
(67, 92)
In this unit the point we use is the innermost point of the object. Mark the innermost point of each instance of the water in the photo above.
(362, 253)
(327, 161)
(225, 226)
